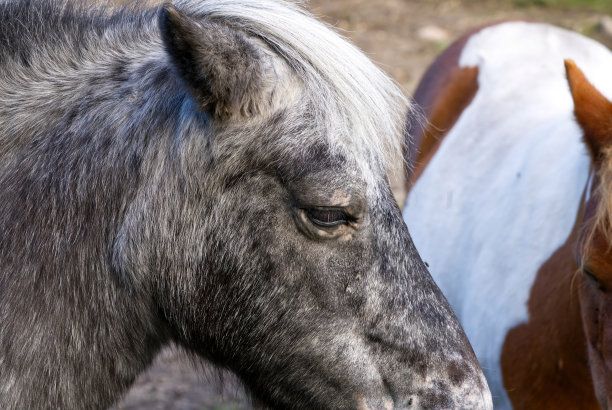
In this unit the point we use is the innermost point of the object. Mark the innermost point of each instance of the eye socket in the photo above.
(328, 217)
(592, 278)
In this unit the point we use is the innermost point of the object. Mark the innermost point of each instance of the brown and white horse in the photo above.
(511, 206)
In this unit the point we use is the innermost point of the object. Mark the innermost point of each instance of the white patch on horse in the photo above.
(513, 169)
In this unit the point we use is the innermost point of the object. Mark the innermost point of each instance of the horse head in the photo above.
(593, 113)
(213, 174)
(312, 282)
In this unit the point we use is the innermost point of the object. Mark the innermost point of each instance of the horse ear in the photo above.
(222, 69)
(592, 109)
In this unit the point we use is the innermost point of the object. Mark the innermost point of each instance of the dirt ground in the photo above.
(403, 37)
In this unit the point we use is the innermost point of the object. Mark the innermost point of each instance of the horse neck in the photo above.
(74, 130)
(59, 85)
(75, 126)
(70, 164)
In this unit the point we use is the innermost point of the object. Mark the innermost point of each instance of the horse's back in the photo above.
(501, 191)
(442, 94)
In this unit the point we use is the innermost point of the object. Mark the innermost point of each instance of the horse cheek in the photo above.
(596, 307)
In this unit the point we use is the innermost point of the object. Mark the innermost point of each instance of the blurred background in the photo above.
(403, 37)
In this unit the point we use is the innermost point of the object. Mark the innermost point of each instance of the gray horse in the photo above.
(210, 174)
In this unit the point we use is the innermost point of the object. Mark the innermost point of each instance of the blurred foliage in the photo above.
(597, 5)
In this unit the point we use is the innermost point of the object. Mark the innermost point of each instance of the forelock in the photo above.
(355, 104)
(603, 213)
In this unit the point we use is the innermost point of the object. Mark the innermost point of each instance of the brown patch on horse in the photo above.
(443, 93)
(544, 361)
(592, 109)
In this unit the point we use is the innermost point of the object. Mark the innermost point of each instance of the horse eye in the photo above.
(327, 217)
(592, 278)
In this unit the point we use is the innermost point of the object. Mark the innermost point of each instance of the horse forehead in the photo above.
(300, 145)
(332, 163)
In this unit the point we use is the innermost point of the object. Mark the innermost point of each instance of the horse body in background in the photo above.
(503, 209)
(209, 174)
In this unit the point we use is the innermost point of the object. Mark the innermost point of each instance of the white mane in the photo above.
(362, 104)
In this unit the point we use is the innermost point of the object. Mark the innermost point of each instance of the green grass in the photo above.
(598, 5)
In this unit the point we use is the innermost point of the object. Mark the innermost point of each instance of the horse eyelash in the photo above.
(343, 217)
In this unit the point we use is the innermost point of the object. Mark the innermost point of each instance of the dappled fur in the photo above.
(143, 202)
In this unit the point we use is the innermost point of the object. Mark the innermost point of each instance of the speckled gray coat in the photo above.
(211, 176)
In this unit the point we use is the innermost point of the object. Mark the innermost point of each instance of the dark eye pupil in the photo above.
(327, 217)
